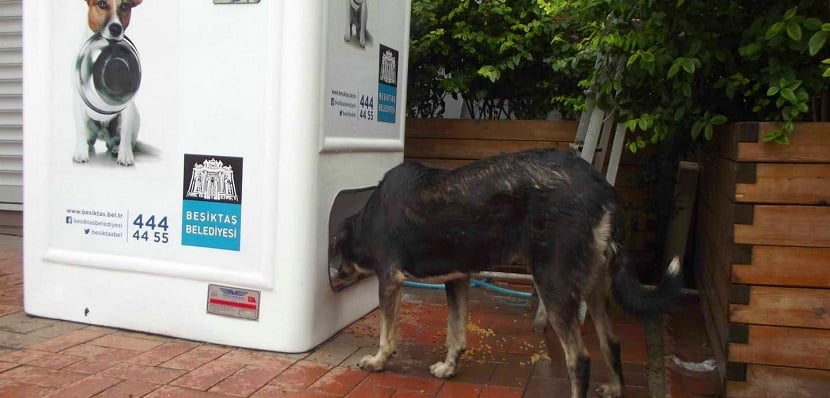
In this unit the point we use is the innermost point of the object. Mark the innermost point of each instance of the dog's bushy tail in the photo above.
(640, 300)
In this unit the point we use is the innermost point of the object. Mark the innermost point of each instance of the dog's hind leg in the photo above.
(128, 123)
(457, 303)
(604, 249)
(609, 345)
(541, 317)
(390, 299)
(577, 360)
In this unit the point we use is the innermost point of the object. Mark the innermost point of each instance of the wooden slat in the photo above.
(529, 130)
(712, 282)
(785, 266)
(440, 163)
(787, 226)
(808, 143)
(713, 255)
(716, 236)
(469, 149)
(783, 346)
(787, 184)
(776, 381)
(784, 307)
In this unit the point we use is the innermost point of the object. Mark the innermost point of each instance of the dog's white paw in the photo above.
(81, 156)
(126, 158)
(370, 363)
(442, 370)
(609, 390)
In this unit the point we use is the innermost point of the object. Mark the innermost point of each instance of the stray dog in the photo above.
(357, 11)
(110, 19)
(547, 207)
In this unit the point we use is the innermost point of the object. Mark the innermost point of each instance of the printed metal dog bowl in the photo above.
(109, 73)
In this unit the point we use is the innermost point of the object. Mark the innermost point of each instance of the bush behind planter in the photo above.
(669, 67)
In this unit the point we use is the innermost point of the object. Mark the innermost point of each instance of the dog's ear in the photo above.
(344, 233)
(136, 2)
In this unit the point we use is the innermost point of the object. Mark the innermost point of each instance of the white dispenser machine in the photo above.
(186, 162)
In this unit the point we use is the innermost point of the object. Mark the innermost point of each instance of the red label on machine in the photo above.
(233, 302)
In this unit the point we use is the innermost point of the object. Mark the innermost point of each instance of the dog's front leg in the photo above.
(349, 12)
(128, 124)
(84, 135)
(457, 299)
(364, 17)
(390, 299)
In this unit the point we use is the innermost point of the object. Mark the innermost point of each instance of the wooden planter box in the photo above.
(763, 259)
(449, 143)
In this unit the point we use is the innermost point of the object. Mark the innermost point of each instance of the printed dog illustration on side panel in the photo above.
(105, 108)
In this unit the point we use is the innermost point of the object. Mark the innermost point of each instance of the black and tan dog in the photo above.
(547, 207)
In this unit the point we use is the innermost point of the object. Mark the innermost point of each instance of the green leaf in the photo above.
(719, 120)
(773, 90)
(708, 132)
(632, 59)
(675, 67)
(788, 94)
(750, 51)
(774, 30)
(688, 66)
(490, 72)
(794, 31)
(696, 128)
(790, 13)
(816, 42)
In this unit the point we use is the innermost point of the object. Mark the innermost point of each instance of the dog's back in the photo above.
(489, 211)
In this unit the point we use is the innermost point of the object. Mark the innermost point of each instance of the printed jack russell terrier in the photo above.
(357, 11)
(117, 126)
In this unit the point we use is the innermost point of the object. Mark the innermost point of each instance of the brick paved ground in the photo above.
(44, 357)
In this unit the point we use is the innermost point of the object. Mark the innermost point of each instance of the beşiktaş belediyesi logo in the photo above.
(387, 84)
(212, 201)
